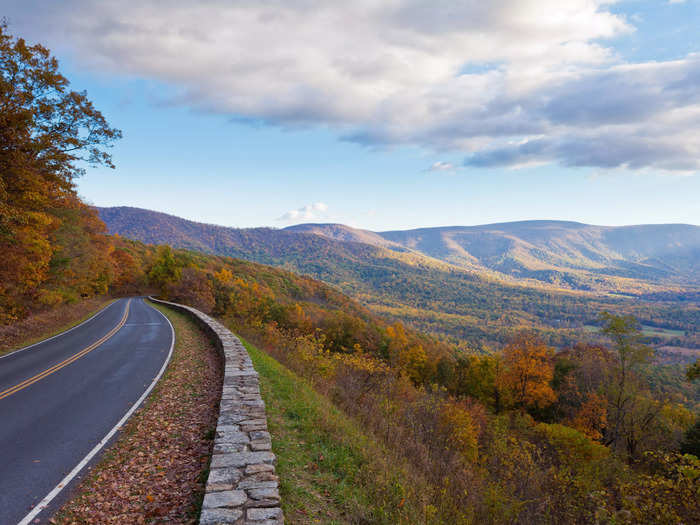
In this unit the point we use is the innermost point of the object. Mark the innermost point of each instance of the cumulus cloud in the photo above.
(509, 83)
(308, 212)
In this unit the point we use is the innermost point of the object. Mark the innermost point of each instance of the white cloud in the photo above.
(309, 212)
(441, 166)
(513, 82)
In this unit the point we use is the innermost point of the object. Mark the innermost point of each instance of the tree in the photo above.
(47, 133)
(591, 417)
(693, 371)
(165, 271)
(691, 440)
(631, 411)
(476, 376)
(194, 288)
(528, 371)
(580, 375)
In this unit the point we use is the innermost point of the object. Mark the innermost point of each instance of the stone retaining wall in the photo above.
(242, 487)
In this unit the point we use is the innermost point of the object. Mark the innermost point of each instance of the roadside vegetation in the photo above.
(156, 470)
(48, 323)
(331, 471)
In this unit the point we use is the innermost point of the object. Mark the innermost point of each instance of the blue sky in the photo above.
(398, 120)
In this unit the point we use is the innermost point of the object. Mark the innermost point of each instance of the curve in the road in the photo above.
(60, 407)
(68, 360)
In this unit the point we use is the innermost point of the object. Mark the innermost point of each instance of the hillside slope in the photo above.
(430, 294)
(572, 254)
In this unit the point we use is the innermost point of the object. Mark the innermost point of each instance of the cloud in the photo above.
(441, 166)
(308, 212)
(635, 116)
(507, 83)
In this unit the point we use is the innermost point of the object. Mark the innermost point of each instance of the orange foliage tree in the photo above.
(46, 131)
(527, 372)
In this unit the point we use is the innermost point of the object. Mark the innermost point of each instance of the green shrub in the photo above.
(570, 445)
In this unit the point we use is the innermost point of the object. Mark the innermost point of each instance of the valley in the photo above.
(419, 276)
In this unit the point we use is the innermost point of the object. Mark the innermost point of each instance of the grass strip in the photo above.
(330, 471)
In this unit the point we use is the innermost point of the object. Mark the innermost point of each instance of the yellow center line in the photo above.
(69, 360)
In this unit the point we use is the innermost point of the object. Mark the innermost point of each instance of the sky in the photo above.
(390, 114)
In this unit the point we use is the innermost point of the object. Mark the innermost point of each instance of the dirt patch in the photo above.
(155, 472)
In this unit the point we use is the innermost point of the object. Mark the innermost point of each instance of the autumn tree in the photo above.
(631, 410)
(456, 420)
(47, 134)
(691, 440)
(527, 373)
(127, 271)
(580, 376)
(194, 288)
(592, 416)
(165, 271)
(407, 356)
(477, 376)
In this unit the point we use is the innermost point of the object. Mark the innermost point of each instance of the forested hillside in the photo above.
(569, 254)
(498, 437)
(447, 300)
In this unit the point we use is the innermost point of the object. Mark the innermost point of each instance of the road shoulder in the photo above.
(156, 469)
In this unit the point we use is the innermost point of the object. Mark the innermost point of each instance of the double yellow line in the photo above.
(66, 362)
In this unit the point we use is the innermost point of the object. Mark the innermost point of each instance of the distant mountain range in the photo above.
(475, 284)
(627, 259)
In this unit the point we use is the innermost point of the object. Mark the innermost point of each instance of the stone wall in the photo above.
(242, 488)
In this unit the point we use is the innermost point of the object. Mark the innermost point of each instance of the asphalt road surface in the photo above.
(61, 398)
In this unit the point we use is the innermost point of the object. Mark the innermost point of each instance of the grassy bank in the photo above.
(330, 471)
(49, 323)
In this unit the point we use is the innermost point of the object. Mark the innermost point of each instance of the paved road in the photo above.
(61, 397)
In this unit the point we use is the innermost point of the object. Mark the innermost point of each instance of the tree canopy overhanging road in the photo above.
(61, 397)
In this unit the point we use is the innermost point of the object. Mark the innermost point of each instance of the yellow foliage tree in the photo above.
(413, 362)
(224, 276)
(458, 422)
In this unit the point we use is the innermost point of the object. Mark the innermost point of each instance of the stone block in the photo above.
(221, 479)
(265, 514)
(220, 516)
(241, 459)
(226, 498)
(260, 467)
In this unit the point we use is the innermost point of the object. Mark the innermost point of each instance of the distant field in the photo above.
(649, 331)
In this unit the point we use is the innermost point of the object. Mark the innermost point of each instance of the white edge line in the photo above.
(103, 309)
(80, 466)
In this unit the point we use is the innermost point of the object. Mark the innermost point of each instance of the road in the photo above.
(61, 398)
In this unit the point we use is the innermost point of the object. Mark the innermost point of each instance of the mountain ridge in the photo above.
(566, 254)
(530, 249)
(467, 302)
